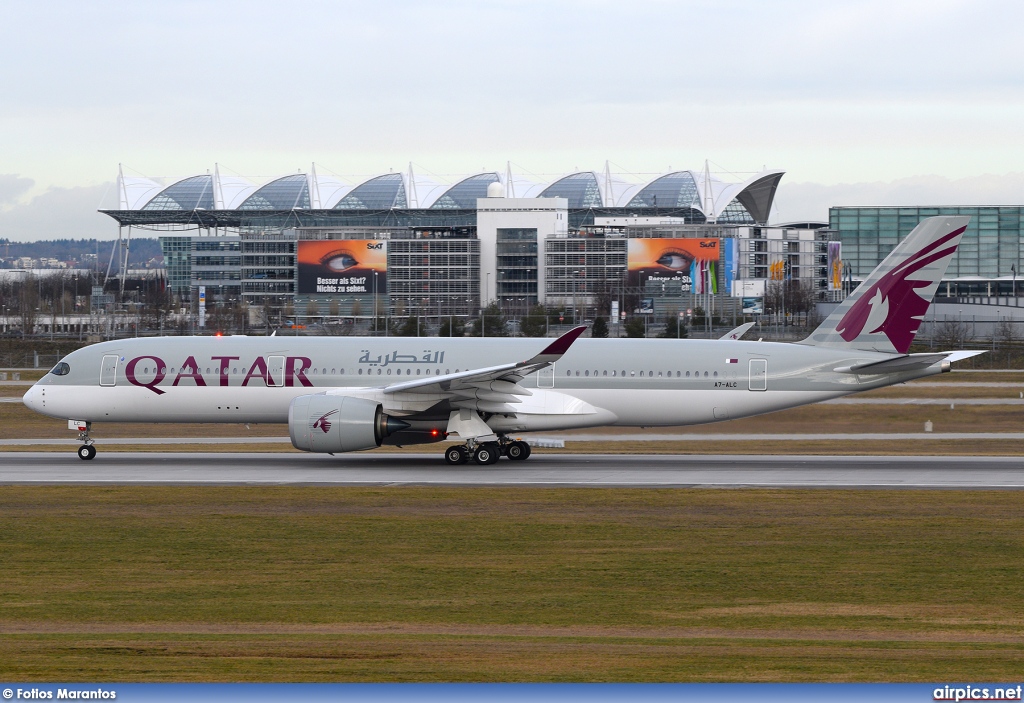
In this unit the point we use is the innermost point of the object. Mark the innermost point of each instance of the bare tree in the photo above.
(1004, 336)
(951, 334)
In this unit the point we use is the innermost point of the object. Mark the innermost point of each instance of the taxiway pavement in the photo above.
(541, 469)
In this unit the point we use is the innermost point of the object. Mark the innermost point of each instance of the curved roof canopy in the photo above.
(380, 193)
(195, 193)
(677, 189)
(463, 194)
(747, 202)
(288, 193)
(580, 189)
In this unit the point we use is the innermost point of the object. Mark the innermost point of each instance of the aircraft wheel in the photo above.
(487, 453)
(456, 455)
(517, 451)
(86, 452)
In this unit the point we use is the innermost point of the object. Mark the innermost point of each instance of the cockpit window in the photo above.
(61, 369)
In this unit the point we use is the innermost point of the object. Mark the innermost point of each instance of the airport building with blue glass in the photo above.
(452, 247)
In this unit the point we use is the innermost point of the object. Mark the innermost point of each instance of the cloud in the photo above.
(58, 213)
(811, 201)
(13, 186)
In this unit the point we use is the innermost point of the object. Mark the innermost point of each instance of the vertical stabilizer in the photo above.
(886, 310)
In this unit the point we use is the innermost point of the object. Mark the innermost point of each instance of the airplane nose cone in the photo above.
(34, 399)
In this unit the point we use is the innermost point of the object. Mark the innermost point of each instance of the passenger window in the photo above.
(705, 374)
(361, 372)
(568, 373)
(604, 373)
(586, 373)
(716, 374)
(623, 372)
(613, 372)
(633, 373)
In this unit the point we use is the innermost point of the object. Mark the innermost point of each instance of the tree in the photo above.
(951, 334)
(493, 322)
(1004, 335)
(635, 327)
(409, 328)
(600, 328)
(534, 323)
(452, 326)
(675, 328)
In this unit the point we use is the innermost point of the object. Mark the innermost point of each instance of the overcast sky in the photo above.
(861, 102)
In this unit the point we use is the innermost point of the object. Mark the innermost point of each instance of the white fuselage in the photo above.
(597, 382)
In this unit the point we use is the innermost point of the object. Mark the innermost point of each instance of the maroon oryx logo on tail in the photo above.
(892, 305)
(323, 423)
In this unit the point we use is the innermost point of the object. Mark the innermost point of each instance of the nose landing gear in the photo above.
(87, 451)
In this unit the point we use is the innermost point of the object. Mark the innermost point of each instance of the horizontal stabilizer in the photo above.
(908, 362)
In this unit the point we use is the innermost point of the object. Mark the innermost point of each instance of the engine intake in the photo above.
(337, 423)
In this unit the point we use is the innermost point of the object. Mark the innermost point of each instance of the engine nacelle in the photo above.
(337, 423)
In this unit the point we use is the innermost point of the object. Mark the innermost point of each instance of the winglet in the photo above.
(554, 351)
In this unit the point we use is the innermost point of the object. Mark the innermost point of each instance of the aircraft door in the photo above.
(758, 375)
(275, 371)
(546, 377)
(108, 370)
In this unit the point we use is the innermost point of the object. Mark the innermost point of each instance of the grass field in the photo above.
(484, 584)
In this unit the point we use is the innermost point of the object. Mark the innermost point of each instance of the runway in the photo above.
(539, 470)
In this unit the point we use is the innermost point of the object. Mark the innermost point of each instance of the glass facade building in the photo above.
(990, 246)
(517, 265)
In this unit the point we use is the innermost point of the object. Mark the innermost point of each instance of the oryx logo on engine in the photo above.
(322, 423)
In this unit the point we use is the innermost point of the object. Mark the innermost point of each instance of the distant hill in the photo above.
(82, 251)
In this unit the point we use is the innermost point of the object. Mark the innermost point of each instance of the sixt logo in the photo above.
(323, 423)
(709, 245)
(378, 245)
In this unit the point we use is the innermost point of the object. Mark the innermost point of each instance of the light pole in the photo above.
(375, 303)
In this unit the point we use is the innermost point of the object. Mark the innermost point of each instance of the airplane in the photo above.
(349, 394)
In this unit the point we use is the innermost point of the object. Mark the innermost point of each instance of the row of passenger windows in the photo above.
(642, 374)
(437, 372)
(309, 372)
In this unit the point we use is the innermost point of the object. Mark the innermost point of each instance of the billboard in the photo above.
(835, 266)
(689, 262)
(343, 267)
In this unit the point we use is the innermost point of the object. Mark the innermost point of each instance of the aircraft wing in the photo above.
(738, 332)
(491, 388)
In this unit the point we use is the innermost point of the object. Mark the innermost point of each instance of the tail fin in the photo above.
(886, 310)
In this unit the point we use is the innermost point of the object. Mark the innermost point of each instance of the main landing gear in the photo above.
(485, 453)
(87, 451)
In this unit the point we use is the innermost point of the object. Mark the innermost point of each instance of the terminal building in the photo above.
(587, 243)
(985, 265)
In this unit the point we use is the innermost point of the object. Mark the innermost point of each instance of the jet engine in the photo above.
(337, 423)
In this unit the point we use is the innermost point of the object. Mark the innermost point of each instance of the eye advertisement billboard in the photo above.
(689, 262)
(342, 267)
